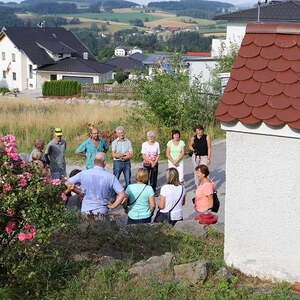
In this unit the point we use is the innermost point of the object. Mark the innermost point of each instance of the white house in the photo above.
(30, 56)
(260, 112)
(127, 51)
(288, 11)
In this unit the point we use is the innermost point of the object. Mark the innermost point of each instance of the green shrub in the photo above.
(120, 77)
(61, 88)
(4, 90)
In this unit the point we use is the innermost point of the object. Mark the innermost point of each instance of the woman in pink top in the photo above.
(205, 190)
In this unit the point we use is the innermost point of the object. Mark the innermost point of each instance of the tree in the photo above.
(105, 53)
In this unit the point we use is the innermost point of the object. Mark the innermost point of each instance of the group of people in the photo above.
(96, 187)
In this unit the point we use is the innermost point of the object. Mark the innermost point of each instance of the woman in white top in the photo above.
(151, 153)
(171, 199)
(175, 153)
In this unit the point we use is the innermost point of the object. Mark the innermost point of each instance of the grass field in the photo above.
(179, 22)
(116, 17)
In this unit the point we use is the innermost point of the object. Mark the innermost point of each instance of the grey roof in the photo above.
(78, 65)
(126, 63)
(138, 56)
(154, 58)
(28, 39)
(288, 11)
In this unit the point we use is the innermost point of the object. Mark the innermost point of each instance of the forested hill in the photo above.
(193, 8)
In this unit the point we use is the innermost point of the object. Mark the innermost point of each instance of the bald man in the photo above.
(98, 186)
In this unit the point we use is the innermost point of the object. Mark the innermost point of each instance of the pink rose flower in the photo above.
(22, 182)
(27, 226)
(47, 179)
(10, 226)
(27, 175)
(10, 212)
(63, 196)
(14, 156)
(7, 187)
(25, 236)
(56, 181)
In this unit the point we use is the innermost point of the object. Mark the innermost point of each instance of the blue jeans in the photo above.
(138, 221)
(123, 167)
(58, 174)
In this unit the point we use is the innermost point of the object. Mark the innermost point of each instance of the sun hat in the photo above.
(58, 131)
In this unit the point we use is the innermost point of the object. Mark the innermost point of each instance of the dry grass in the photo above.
(178, 22)
(29, 121)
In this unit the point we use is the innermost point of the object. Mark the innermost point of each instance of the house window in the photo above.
(3, 55)
(53, 77)
(4, 74)
(30, 71)
(13, 57)
(14, 76)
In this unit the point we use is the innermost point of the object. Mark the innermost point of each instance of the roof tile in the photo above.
(272, 88)
(250, 120)
(221, 109)
(239, 62)
(265, 75)
(293, 90)
(286, 41)
(264, 39)
(265, 81)
(279, 64)
(292, 53)
(241, 73)
(231, 85)
(249, 51)
(241, 110)
(287, 77)
(257, 63)
(295, 125)
(288, 115)
(280, 101)
(263, 112)
(248, 86)
(271, 52)
(233, 98)
(274, 122)
(257, 99)
(295, 102)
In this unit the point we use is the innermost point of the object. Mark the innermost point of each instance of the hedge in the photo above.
(61, 88)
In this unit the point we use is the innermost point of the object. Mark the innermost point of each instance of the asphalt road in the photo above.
(217, 175)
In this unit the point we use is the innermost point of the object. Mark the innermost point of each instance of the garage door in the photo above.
(79, 79)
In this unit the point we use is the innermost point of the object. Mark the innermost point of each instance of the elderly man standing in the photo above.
(55, 153)
(98, 185)
(122, 152)
(91, 146)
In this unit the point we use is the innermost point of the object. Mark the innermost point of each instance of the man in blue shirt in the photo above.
(91, 146)
(98, 185)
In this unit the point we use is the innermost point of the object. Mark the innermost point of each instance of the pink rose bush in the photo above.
(31, 206)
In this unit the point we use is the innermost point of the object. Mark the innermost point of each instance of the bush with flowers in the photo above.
(32, 208)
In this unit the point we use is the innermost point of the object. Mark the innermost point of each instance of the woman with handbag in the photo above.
(151, 153)
(204, 194)
(141, 201)
(171, 199)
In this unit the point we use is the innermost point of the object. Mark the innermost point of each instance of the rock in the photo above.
(223, 272)
(83, 227)
(154, 265)
(84, 256)
(192, 273)
(191, 227)
(263, 289)
(107, 261)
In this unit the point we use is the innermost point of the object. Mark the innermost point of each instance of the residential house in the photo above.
(260, 112)
(127, 51)
(126, 64)
(274, 11)
(32, 55)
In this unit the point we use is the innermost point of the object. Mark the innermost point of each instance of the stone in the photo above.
(263, 289)
(191, 227)
(107, 261)
(192, 273)
(84, 256)
(223, 272)
(153, 265)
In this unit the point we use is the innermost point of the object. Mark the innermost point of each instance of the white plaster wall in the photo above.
(262, 207)
(9, 48)
(201, 69)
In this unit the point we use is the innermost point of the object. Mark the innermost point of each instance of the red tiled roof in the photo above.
(199, 53)
(264, 84)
